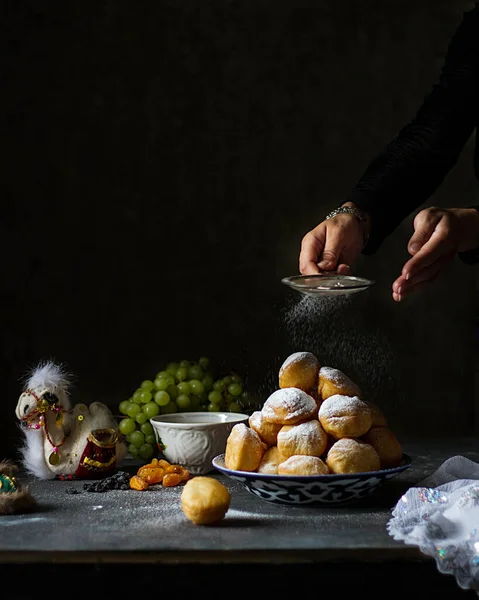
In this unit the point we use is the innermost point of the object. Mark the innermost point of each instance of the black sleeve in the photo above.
(415, 163)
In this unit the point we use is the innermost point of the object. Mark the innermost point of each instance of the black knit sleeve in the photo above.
(415, 163)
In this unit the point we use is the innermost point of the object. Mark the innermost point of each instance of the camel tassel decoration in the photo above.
(64, 441)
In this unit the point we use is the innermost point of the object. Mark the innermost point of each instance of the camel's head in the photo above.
(46, 389)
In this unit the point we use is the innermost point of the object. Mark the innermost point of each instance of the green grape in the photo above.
(204, 362)
(215, 397)
(212, 407)
(147, 384)
(169, 408)
(184, 364)
(127, 426)
(162, 374)
(161, 383)
(162, 398)
(183, 402)
(195, 372)
(235, 388)
(234, 407)
(133, 410)
(236, 378)
(147, 428)
(172, 367)
(145, 396)
(227, 380)
(146, 451)
(133, 450)
(141, 418)
(208, 382)
(182, 374)
(137, 438)
(123, 406)
(219, 385)
(150, 439)
(173, 392)
(137, 395)
(128, 438)
(184, 387)
(197, 386)
(151, 409)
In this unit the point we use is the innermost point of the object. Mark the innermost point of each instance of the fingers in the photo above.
(311, 248)
(332, 246)
(403, 287)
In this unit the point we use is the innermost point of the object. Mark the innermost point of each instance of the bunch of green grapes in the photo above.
(181, 387)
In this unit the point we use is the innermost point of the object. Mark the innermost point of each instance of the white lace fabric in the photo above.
(441, 516)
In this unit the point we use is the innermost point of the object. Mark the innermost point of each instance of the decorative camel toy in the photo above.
(61, 441)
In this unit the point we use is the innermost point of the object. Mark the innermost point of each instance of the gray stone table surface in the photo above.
(144, 527)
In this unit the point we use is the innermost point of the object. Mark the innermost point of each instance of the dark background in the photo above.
(161, 163)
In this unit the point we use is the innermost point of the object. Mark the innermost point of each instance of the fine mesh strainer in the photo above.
(326, 284)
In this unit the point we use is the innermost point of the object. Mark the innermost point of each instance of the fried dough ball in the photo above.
(348, 455)
(345, 416)
(300, 370)
(270, 461)
(204, 500)
(308, 438)
(244, 449)
(289, 406)
(301, 464)
(378, 417)
(386, 444)
(333, 381)
(267, 431)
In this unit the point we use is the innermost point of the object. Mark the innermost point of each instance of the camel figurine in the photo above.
(62, 441)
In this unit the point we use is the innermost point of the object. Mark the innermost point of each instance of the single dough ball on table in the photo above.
(267, 431)
(204, 500)
(378, 417)
(300, 370)
(386, 445)
(289, 406)
(352, 456)
(244, 449)
(333, 381)
(270, 461)
(307, 438)
(301, 464)
(345, 416)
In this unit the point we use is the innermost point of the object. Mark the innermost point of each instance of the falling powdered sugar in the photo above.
(342, 332)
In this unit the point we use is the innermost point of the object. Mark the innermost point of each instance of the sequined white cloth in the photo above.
(441, 516)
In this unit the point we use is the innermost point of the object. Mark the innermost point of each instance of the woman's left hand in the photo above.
(439, 234)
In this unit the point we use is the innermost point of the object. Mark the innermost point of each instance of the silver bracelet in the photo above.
(351, 211)
(346, 209)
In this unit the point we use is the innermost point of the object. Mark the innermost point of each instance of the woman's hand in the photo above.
(333, 245)
(439, 234)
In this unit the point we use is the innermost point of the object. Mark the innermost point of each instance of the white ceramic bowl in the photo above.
(193, 439)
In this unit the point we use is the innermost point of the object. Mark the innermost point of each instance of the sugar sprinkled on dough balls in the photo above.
(348, 455)
(300, 370)
(205, 500)
(345, 416)
(289, 406)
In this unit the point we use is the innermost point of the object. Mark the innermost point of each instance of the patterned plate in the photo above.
(314, 490)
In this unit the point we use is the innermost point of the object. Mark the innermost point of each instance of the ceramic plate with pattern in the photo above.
(313, 490)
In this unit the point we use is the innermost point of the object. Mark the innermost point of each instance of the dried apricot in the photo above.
(138, 483)
(172, 479)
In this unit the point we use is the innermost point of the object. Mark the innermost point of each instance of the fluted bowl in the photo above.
(193, 439)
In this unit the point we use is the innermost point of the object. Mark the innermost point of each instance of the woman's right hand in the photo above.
(333, 245)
